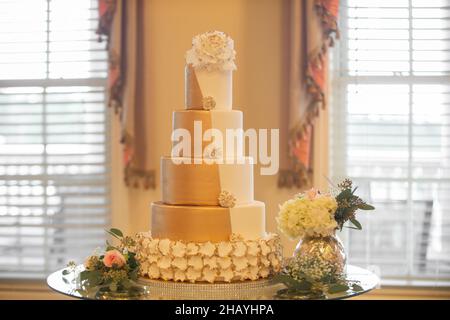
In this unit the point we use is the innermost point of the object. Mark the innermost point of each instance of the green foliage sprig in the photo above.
(300, 286)
(348, 204)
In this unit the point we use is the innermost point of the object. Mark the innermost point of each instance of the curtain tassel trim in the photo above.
(297, 177)
(134, 177)
(139, 178)
(301, 175)
(106, 10)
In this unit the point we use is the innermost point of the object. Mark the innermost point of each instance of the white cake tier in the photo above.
(249, 220)
(207, 223)
(226, 136)
(202, 83)
(184, 182)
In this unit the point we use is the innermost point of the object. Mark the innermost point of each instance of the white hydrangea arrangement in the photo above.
(308, 214)
(318, 266)
(213, 50)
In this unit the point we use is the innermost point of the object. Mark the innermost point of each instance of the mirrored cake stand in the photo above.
(263, 289)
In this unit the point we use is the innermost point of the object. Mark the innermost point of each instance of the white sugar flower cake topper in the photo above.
(213, 50)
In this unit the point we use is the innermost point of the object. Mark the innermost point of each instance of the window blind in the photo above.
(54, 174)
(390, 133)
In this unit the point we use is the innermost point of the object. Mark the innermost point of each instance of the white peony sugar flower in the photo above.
(213, 50)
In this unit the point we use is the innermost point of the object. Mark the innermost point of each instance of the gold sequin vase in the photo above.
(322, 259)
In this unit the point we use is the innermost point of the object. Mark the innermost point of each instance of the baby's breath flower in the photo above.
(127, 244)
(346, 184)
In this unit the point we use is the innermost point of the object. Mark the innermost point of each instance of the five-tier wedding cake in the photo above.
(208, 227)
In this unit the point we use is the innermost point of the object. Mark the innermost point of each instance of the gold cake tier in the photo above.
(194, 184)
(208, 223)
(197, 122)
(190, 223)
(189, 183)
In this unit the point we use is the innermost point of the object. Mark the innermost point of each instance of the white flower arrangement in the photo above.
(308, 214)
(318, 266)
(212, 50)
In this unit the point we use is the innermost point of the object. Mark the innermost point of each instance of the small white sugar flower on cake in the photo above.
(167, 274)
(208, 103)
(153, 257)
(210, 262)
(240, 249)
(207, 249)
(196, 262)
(145, 241)
(264, 272)
(252, 260)
(153, 271)
(144, 267)
(273, 259)
(226, 274)
(253, 248)
(224, 262)
(192, 249)
(179, 249)
(240, 263)
(213, 151)
(274, 243)
(179, 275)
(224, 249)
(209, 274)
(180, 263)
(265, 262)
(165, 262)
(236, 237)
(253, 272)
(265, 249)
(192, 274)
(164, 246)
(242, 274)
(152, 247)
(226, 199)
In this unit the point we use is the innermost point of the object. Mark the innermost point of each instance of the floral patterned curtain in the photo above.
(122, 23)
(310, 30)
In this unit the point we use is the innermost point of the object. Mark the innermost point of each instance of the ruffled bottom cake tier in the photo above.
(226, 261)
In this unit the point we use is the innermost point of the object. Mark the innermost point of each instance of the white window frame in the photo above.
(45, 83)
(338, 136)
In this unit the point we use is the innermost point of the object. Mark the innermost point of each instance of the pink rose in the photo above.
(113, 258)
(311, 193)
